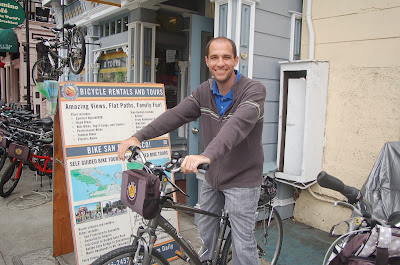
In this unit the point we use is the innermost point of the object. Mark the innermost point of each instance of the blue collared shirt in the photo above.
(224, 102)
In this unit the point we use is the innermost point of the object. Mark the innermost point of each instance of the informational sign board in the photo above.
(11, 14)
(94, 119)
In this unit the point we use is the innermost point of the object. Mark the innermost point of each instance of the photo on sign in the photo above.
(94, 182)
(113, 208)
(88, 212)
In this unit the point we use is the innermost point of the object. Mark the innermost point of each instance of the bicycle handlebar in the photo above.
(172, 165)
(352, 194)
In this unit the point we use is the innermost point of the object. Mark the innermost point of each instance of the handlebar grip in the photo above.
(204, 166)
(325, 180)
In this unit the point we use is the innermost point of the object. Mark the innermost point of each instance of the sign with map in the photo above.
(94, 119)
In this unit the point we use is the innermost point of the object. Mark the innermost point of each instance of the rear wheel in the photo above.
(268, 234)
(42, 70)
(126, 255)
(77, 52)
(10, 178)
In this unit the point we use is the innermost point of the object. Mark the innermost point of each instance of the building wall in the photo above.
(360, 40)
(271, 45)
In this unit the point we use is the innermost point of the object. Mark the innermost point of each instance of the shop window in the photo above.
(168, 74)
(113, 67)
(112, 28)
(168, 22)
(107, 29)
(101, 31)
(119, 25)
(125, 24)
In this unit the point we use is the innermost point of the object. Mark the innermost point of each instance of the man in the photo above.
(231, 107)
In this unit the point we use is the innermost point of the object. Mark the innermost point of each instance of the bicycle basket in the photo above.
(18, 151)
(140, 191)
(268, 190)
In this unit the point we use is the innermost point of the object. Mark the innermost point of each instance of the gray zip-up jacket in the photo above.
(232, 142)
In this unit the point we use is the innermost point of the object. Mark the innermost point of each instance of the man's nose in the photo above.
(220, 61)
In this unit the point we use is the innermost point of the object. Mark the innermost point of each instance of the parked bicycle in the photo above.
(25, 147)
(269, 230)
(362, 221)
(50, 67)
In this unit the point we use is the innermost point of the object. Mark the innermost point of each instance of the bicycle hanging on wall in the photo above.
(50, 66)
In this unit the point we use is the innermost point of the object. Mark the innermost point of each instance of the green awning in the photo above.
(8, 41)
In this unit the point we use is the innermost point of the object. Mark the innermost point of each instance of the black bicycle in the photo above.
(50, 67)
(268, 233)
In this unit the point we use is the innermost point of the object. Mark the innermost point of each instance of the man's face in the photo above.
(221, 61)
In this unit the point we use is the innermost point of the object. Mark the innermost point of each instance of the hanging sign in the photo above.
(94, 119)
(11, 14)
(108, 2)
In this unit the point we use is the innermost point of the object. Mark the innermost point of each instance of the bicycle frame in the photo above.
(39, 168)
(160, 221)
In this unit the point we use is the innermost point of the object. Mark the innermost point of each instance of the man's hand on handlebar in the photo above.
(124, 145)
(191, 162)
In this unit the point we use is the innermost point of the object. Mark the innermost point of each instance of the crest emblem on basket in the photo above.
(18, 151)
(131, 191)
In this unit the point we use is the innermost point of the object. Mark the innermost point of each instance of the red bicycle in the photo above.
(37, 155)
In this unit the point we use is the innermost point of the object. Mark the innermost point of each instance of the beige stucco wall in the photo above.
(361, 41)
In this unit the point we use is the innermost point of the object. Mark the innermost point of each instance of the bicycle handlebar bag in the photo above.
(140, 191)
(18, 151)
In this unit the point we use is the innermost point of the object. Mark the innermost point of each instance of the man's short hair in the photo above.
(222, 39)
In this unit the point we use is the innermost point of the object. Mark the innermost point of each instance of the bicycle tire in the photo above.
(3, 157)
(123, 255)
(8, 181)
(269, 243)
(77, 52)
(42, 70)
(338, 245)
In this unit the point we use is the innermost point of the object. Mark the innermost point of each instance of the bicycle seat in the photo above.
(69, 26)
(47, 121)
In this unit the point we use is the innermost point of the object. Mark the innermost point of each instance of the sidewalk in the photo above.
(26, 230)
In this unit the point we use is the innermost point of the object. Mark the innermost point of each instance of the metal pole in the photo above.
(27, 48)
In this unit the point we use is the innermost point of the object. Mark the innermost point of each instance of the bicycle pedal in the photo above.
(182, 256)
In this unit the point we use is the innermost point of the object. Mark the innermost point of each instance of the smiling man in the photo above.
(231, 107)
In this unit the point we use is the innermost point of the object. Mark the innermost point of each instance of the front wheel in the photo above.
(10, 178)
(77, 52)
(268, 234)
(126, 255)
(42, 70)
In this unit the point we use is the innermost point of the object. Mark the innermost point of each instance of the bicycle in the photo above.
(361, 221)
(142, 251)
(38, 157)
(50, 67)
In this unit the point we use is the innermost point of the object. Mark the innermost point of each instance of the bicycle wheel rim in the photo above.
(77, 52)
(269, 239)
(269, 247)
(42, 70)
(10, 179)
(125, 255)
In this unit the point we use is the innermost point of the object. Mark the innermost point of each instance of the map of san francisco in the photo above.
(88, 183)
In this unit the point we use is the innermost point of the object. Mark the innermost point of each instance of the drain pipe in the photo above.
(311, 32)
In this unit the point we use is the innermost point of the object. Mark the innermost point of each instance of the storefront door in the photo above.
(201, 31)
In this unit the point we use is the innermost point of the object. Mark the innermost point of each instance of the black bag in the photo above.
(140, 191)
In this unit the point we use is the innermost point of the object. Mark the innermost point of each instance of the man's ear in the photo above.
(236, 60)
(206, 59)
